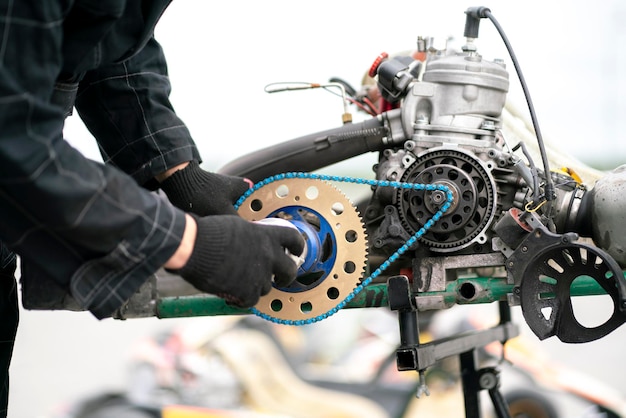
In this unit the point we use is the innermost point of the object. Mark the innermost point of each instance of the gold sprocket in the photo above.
(317, 201)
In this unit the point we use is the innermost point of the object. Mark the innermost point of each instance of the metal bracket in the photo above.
(412, 355)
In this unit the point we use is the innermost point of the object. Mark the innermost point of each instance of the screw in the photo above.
(422, 388)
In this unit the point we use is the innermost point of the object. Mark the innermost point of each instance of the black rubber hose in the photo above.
(311, 152)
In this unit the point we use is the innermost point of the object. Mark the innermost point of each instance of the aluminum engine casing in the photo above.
(451, 116)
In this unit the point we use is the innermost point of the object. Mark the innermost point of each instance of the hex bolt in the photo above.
(488, 381)
(438, 197)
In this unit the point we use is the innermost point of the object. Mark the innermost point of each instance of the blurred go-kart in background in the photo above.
(244, 367)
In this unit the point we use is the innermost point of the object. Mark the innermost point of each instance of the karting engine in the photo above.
(452, 198)
(451, 119)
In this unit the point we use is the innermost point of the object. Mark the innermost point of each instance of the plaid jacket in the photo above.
(93, 230)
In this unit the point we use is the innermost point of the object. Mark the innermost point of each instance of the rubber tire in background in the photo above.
(525, 403)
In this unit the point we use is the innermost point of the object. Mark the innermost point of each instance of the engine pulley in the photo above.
(336, 245)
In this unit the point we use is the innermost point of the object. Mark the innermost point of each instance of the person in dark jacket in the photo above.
(97, 231)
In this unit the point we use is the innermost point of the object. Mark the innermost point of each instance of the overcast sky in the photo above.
(222, 55)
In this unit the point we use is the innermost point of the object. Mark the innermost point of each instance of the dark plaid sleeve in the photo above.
(87, 225)
(126, 107)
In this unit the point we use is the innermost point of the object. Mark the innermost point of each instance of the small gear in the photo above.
(336, 252)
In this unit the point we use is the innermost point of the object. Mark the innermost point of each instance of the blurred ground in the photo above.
(62, 356)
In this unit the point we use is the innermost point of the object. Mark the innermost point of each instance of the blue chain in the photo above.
(384, 265)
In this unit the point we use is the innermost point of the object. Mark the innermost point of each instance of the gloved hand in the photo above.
(235, 259)
(195, 190)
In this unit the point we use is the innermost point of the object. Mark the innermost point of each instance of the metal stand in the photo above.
(411, 355)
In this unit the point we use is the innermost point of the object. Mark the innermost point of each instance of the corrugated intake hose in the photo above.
(311, 152)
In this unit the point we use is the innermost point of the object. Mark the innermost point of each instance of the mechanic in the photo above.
(98, 231)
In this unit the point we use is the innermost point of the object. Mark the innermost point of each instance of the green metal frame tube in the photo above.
(487, 290)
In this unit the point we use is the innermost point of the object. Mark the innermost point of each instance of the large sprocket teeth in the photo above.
(344, 234)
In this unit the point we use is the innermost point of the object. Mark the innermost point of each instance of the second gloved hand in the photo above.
(236, 259)
(195, 190)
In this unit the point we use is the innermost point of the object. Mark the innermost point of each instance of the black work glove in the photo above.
(235, 259)
(195, 190)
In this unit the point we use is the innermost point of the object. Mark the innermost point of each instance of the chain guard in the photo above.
(544, 267)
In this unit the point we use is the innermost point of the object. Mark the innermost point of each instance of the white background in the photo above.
(221, 55)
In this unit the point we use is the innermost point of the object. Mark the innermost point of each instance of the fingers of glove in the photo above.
(285, 270)
(195, 190)
(236, 258)
(215, 194)
(282, 238)
(229, 189)
(266, 286)
(237, 185)
(288, 238)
